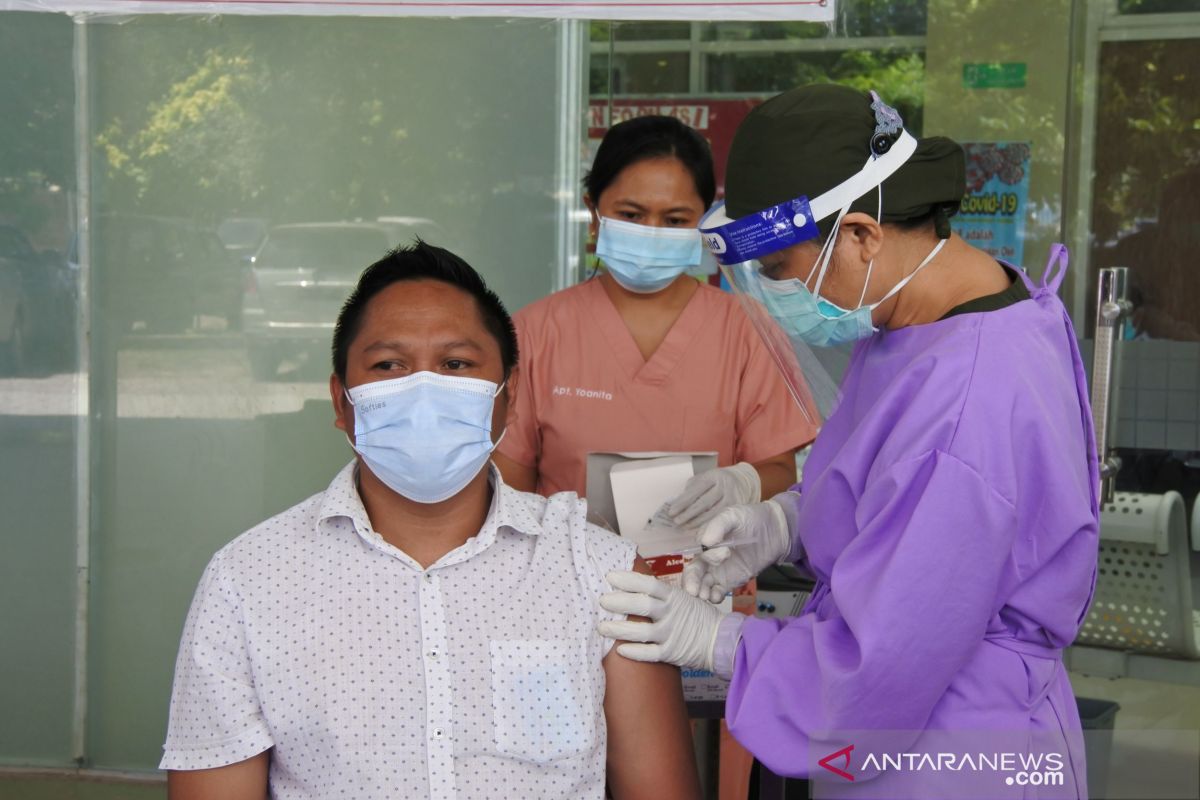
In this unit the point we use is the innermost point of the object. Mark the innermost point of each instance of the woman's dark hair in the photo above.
(422, 261)
(642, 138)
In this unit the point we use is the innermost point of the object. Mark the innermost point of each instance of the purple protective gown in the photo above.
(950, 515)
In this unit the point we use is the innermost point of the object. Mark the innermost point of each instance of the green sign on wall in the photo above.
(1006, 75)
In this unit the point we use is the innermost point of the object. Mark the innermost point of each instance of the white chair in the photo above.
(1142, 622)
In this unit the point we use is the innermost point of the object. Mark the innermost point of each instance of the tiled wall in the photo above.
(1160, 396)
(1159, 403)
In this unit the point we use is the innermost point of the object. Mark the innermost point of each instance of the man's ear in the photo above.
(343, 411)
(502, 413)
(863, 234)
(512, 386)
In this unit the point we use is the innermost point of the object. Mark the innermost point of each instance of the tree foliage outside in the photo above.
(897, 75)
(297, 119)
(1147, 129)
(210, 117)
(1146, 191)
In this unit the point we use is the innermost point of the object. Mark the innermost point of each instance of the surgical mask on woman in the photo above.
(425, 435)
(643, 258)
(818, 322)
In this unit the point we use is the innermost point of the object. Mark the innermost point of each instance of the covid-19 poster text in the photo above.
(993, 211)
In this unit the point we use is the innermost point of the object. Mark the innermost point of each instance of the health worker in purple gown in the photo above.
(949, 506)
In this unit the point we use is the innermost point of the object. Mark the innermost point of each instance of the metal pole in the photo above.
(1111, 308)
(83, 450)
(571, 107)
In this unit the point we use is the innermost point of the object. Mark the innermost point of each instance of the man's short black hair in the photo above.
(422, 261)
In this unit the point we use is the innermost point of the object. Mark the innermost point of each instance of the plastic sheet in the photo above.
(807, 377)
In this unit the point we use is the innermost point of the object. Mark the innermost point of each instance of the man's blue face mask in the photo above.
(424, 435)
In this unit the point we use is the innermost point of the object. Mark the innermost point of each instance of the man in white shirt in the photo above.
(419, 629)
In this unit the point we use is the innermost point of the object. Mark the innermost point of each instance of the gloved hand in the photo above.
(682, 629)
(715, 572)
(706, 494)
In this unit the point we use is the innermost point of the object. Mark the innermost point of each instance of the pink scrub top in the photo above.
(585, 388)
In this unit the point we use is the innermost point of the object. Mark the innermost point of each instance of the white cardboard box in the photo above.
(602, 510)
(698, 684)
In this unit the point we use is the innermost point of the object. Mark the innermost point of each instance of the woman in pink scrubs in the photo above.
(643, 357)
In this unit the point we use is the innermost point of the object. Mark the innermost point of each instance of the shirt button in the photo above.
(433, 653)
(439, 733)
(428, 577)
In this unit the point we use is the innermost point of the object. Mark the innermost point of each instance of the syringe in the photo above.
(696, 549)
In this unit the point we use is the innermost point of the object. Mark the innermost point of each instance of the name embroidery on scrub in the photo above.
(587, 394)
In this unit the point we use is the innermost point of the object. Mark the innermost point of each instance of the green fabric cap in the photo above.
(808, 140)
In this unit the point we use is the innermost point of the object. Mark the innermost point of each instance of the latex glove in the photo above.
(682, 628)
(713, 573)
(706, 494)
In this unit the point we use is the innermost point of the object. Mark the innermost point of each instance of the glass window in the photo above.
(598, 75)
(897, 74)
(856, 18)
(761, 31)
(244, 171)
(339, 247)
(1146, 193)
(40, 388)
(640, 74)
(1145, 216)
(649, 30)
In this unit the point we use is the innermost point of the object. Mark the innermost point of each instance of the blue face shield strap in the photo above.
(745, 239)
(735, 241)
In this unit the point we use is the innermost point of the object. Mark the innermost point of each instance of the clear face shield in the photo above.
(738, 244)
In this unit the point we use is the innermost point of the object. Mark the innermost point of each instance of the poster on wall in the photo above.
(993, 211)
(716, 120)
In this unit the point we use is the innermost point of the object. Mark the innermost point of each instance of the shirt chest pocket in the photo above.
(545, 698)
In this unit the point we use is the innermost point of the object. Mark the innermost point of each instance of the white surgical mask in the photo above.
(426, 436)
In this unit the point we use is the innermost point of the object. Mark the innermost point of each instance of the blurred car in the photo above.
(36, 306)
(296, 283)
(162, 274)
(242, 236)
(403, 230)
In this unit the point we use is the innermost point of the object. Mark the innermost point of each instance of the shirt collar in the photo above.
(510, 509)
(342, 499)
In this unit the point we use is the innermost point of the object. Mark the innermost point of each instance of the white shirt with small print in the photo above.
(370, 677)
